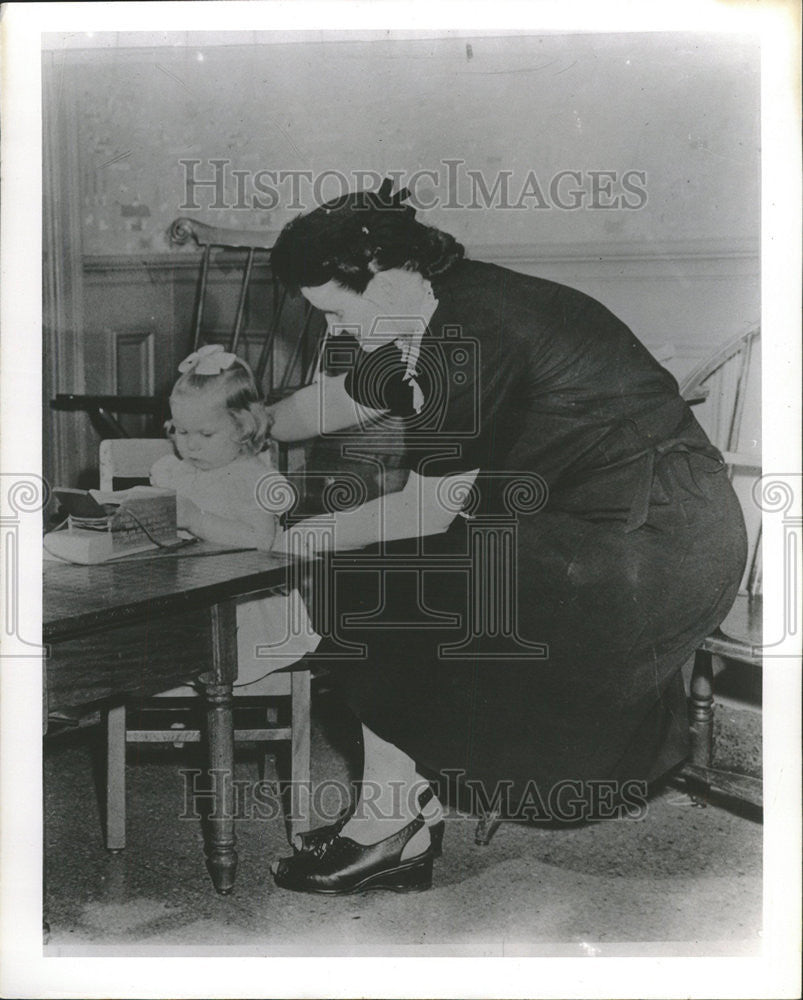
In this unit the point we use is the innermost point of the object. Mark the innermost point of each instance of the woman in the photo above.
(559, 669)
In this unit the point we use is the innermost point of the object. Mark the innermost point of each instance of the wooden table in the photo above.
(139, 626)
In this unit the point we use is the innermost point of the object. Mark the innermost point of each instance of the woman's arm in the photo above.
(426, 506)
(257, 531)
(321, 408)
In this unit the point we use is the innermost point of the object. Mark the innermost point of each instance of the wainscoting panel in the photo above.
(132, 356)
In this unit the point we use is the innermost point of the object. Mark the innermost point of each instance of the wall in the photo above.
(496, 122)
(681, 109)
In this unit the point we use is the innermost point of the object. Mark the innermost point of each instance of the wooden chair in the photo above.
(279, 336)
(131, 459)
(725, 390)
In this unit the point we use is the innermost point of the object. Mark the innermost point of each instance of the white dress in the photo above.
(272, 632)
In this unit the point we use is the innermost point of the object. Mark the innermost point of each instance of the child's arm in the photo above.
(255, 530)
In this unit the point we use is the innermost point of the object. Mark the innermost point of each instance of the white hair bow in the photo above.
(211, 359)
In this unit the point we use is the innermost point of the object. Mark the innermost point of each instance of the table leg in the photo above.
(221, 855)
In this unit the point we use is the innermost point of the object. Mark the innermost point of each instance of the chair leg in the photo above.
(487, 826)
(271, 721)
(701, 709)
(115, 778)
(300, 752)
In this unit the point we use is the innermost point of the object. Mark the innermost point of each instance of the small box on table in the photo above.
(127, 521)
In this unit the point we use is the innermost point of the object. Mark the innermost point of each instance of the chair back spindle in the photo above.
(725, 392)
(201, 298)
(238, 320)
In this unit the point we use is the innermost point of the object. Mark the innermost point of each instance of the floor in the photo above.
(683, 879)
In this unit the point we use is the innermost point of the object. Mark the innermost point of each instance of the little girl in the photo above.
(229, 492)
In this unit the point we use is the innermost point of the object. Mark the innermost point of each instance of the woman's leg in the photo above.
(385, 844)
(389, 798)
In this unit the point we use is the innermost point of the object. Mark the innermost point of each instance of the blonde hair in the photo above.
(237, 390)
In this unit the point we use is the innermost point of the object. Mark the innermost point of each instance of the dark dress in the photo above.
(575, 597)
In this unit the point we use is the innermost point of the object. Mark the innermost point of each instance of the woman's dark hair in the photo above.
(351, 238)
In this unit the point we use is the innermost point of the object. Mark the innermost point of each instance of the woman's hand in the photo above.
(258, 532)
(426, 505)
(304, 539)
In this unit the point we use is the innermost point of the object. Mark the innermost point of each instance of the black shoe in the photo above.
(342, 866)
(312, 840)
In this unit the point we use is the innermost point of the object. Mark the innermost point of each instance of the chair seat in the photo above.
(739, 635)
